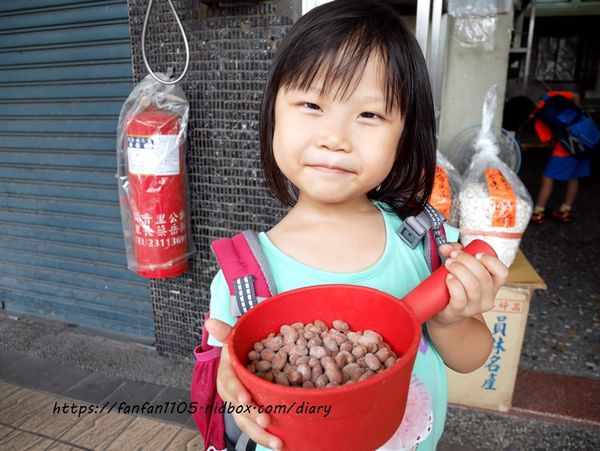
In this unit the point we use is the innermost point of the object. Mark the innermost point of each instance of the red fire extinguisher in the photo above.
(157, 194)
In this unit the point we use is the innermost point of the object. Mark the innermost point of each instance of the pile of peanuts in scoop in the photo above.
(315, 356)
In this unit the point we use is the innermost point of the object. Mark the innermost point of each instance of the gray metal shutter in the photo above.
(65, 70)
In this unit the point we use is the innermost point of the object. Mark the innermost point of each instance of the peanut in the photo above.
(302, 360)
(332, 372)
(346, 346)
(314, 341)
(318, 352)
(285, 329)
(313, 362)
(262, 365)
(294, 376)
(383, 354)
(299, 350)
(316, 372)
(372, 362)
(275, 343)
(366, 375)
(321, 325)
(359, 351)
(267, 354)
(290, 337)
(316, 329)
(343, 358)
(349, 370)
(321, 381)
(279, 360)
(340, 325)
(331, 345)
(373, 333)
(309, 335)
(367, 340)
(389, 362)
(268, 376)
(281, 378)
(353, 336)
(338, 337)
(305, 371)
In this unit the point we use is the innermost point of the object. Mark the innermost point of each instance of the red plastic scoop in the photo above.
(362, 416)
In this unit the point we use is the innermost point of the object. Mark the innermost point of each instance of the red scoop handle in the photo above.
(431, 295)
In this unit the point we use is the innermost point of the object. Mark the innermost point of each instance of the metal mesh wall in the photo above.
(232, 44)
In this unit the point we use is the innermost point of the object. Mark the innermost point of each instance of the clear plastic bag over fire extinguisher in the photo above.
(152, 179)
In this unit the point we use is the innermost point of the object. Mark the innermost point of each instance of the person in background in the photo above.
(562, 166)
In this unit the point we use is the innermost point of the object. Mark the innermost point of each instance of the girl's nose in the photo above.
(333, 136)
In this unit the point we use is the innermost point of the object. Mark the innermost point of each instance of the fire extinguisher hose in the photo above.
(185, 42)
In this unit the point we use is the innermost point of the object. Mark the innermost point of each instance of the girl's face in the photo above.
(336, 150)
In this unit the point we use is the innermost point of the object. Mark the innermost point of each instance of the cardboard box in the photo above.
(492, 386)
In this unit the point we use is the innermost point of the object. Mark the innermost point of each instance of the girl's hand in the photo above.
(232, 391)
(473, 283)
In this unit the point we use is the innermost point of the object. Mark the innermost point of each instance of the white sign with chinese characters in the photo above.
(153, 155)
(492, 386)
(161, 230)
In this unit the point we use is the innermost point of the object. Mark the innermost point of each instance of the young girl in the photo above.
(348, 141)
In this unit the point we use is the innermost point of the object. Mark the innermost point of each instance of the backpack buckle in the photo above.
(412, 231)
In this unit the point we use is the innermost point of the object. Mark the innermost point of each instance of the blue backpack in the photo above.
(573, 129)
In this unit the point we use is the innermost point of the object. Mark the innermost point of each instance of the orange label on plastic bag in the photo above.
(441, 195)
(503, 197)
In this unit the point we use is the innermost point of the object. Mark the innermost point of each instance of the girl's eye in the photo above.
(369, 115)
(312, 106)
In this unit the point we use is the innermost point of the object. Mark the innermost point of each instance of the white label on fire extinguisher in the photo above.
(153, 155)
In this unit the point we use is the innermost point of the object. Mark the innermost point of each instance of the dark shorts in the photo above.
(566, 168)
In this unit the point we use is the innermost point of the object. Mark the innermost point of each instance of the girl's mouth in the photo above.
(331, 170)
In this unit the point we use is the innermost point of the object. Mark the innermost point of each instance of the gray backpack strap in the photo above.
(245, 296)
(427, 226)
(436, 219)
(259, 255)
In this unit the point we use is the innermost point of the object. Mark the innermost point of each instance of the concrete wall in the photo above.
(470, 72)
(232, 44)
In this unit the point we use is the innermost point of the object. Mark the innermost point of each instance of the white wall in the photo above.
(469, 73)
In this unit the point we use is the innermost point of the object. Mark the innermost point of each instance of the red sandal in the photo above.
(538, 218)
(562, 216)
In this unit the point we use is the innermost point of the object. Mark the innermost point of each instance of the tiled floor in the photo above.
(47, 406)
(29, 420)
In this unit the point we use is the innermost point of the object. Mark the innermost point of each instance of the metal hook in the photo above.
(185, 41)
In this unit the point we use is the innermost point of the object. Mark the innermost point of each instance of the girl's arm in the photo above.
(459, 332)
(229, 386)
(233, 392)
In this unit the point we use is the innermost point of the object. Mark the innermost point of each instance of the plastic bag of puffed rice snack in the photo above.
(494, 205)
(446, 186)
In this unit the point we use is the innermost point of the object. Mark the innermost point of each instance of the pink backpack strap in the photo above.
(204, 351)
(245, 269)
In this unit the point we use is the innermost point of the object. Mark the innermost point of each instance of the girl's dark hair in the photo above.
(336, 40)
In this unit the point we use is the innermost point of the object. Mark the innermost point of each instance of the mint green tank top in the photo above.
(397, 272)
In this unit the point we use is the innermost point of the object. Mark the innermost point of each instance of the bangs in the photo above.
(338, 65)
